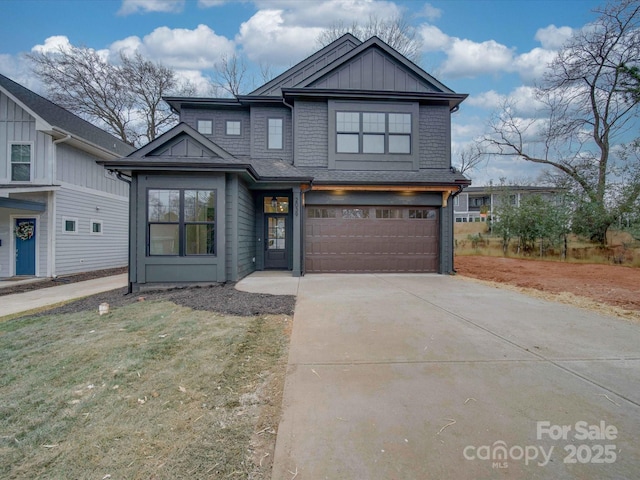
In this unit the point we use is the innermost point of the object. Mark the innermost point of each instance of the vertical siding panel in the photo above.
(246, 229)
(367, 71)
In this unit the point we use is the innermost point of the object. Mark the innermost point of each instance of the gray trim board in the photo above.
(22, 204)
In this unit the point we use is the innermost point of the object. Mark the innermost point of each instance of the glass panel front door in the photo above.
(276, 241)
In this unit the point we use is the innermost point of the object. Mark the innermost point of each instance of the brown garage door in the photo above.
(371, 239)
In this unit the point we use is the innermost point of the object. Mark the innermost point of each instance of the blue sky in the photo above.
(490, 49)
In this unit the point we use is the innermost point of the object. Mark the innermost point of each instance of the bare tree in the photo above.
(123, 99)
(230, 74)
(587, 114)
(469, 158)
(395, 31)
(149, 82)
(266, 71)
(80, 80)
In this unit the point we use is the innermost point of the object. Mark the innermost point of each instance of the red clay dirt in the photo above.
(613, 285)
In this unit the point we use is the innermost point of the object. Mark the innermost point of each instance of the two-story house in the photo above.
(60, 212)
(340, 164)
(477, 204)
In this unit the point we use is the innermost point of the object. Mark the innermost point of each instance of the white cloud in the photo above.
(145, 6)
(552, 37)
(266, 37)
(466, 58)
(127, 46)
(59, 43)
(201, 83)
(532, 65)
(488, 100)
(211, 3)
(179, 48)
(296, 13)
(430, 12)
(434, 39)
(53, 44)
(525, 102)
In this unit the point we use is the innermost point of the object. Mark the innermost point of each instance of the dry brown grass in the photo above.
(621, 247)
(151, 391)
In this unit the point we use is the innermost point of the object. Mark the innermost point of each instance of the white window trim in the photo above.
(204, 120)
(9, 163)
(70, 219)
(91, 223)
(226, 128)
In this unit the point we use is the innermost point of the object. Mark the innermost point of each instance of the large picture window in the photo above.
(181, 222)
(20, 162)
(373, 133)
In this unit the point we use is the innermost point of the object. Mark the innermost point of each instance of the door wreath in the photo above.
(24, 230)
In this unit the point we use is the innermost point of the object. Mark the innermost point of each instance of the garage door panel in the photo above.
(372, 239)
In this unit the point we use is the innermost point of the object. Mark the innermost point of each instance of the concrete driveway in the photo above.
(436, 377)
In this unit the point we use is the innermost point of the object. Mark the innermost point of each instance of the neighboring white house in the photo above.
(60, 212)
(477, 204)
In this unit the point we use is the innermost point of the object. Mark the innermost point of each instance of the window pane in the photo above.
(399, 123)
(347, 121)
(96, 227)
(399, 144)
(276, 204)
(276, 233)
(163, 239)
(347, 143)
(20, 153)
(164, 205)
(355, 213)
(69, 226)
(233, 127)
(373, 122)
(275, 133)
(205, 127)
(200, 240)
(373, 144)
(199, 206)
(20, 172)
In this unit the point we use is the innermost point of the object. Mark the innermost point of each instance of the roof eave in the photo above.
(452, 99)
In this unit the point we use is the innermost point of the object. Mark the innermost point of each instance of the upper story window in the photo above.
(373, 135)
(274, 133)
(181, 222)
(20, 162)
(205, 127)
(232, 127)
(372, 132)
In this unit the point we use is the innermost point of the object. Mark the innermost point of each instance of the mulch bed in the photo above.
(220, 298)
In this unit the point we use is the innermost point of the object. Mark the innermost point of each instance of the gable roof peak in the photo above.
(314, 62)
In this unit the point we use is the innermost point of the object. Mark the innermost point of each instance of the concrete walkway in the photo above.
(433, 377)
(23, 302)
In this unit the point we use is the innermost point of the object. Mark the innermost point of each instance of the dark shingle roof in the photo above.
(58, 117)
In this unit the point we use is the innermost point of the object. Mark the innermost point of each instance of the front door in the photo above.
(25, 237)
(276, 254)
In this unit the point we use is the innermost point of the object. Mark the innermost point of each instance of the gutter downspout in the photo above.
(53, 214)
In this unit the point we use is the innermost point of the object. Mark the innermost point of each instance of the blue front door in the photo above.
(25, 235)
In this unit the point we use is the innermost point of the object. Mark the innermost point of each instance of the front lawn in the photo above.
(153, 390)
